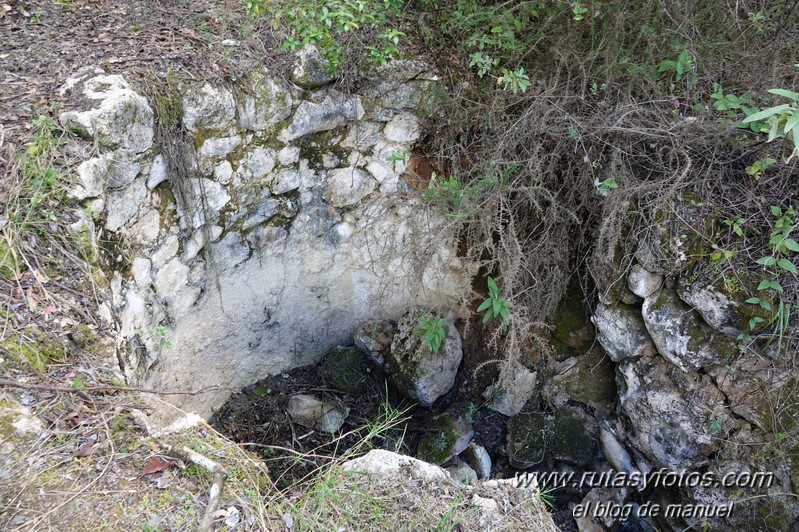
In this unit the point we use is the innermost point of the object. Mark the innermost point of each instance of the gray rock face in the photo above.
(208, 107)
(347, 186)
(714, 306)
(414, 369)
(158, 172)
(334, 110)
(219, 147)
(123, 203)
(509, 398)
(111, 111)
(643, 283)
(461, 473)
(266, 104)
(744, 383)
(621, 332)
(478, 459)
(403, 128)
(311, 70)
(614, 451)
(680, 334)
(312, 413)
(668, 412)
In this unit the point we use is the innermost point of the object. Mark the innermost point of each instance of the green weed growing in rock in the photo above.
(782, 245)
(433, 331)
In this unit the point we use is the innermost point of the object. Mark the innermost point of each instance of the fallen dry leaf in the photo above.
(155, 464)
(86, 450)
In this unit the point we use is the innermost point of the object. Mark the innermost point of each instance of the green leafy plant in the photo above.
(483, 62)
(780, 120)
(516, 80)
(605, 185)
(780, 241)
(433, 331)
(397, 157)
(757, 168)
(578, 10)
(160, 331)
(450, 190)
(736, 225)
(328, 24)
(495, 306)
(682, 68)
(387, 48)
(39, 191)
(782, 245)
(715, 424)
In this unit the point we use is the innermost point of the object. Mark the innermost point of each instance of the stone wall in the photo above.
(272, 224)
(694, 395)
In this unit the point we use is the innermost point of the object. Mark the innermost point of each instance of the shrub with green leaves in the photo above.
(332, 25)
(780, 120)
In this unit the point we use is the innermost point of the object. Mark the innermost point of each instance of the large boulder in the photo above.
(104, 107)
(418, 372)
(621, 332)
(311, 70)
(669, 412)
(681, 335)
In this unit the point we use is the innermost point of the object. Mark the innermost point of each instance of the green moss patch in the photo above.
(345, 370)
(34, 349)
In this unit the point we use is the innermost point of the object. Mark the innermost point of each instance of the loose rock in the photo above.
(312, 413)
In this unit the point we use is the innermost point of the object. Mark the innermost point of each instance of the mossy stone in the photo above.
(574, 334)
(592, 381)
(571, 440)
(344, 369)
(529, 439)
(449, 434)
(436, 447)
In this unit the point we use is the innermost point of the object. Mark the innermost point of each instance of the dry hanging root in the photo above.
(219, 478)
